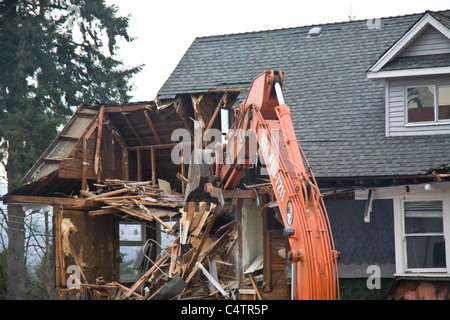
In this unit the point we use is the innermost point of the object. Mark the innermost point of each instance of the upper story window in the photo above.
(416, 70)
(429, 103)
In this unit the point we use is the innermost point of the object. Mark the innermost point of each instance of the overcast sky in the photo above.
(165, 29)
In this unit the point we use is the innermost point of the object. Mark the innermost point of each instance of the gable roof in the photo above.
(338, 113)
(410, 36)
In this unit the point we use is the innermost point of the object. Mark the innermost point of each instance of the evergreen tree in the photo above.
(54, 55)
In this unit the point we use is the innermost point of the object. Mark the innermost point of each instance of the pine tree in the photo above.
(54, 56)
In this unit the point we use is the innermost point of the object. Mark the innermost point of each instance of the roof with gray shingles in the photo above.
(338, 113)
(418, 62)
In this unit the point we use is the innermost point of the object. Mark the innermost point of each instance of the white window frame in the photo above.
(436, 105)
(400, 238)
(132, 243)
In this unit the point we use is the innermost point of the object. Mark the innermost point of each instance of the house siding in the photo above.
(396, 107)
(363, 244)
(430, 41)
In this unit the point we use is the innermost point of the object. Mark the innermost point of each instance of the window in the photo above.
(131, 240)
(166, 239)
(427, 103)
(444, 102)
(424, 235)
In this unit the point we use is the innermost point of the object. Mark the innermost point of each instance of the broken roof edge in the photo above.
(81, 111)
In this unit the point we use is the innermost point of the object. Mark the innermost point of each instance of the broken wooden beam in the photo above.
(99, 140)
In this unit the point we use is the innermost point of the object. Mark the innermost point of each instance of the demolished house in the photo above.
(370, 107)
(119, 208)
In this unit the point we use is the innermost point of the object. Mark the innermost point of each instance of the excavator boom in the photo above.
(264, 116)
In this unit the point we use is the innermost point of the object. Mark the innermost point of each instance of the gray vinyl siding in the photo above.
(396, 108)
(430, 41)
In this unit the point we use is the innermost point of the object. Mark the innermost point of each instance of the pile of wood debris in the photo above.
(199, 264)
(139, 199)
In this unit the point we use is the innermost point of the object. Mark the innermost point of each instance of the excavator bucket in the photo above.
(199, 187)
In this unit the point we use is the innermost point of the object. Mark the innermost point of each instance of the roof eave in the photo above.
(408, 72)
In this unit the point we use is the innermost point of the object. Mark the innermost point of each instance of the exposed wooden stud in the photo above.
(222, 102)
(58, 249)
(153, 156)
(139, 165)
(183, 173)
(84, 165)
(125, 171)
(99, 140)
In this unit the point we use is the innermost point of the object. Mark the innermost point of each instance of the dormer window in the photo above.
(429, 103)
(416, 70)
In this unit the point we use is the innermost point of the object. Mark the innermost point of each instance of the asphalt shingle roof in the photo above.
(338, 113)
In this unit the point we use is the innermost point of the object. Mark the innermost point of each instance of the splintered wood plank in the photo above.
(255, 286)
(198, 227)
(186, 221)
(205, 235)
(140, 205)
(198, 216)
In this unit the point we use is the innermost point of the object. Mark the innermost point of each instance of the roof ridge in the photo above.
(319, 24)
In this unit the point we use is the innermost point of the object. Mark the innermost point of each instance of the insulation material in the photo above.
(67, 228)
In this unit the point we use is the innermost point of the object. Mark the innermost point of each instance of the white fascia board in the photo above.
(407, 38)
(435, 188)
(408, 72)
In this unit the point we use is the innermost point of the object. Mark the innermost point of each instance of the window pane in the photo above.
(419, 209)
(425, 252)
(128, 255)
(167, 239)
(420, 102)
(423, 216)
(130, 232)
(444, 102)
(424, 225)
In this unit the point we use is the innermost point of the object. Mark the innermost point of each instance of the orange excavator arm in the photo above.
(264, 117)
